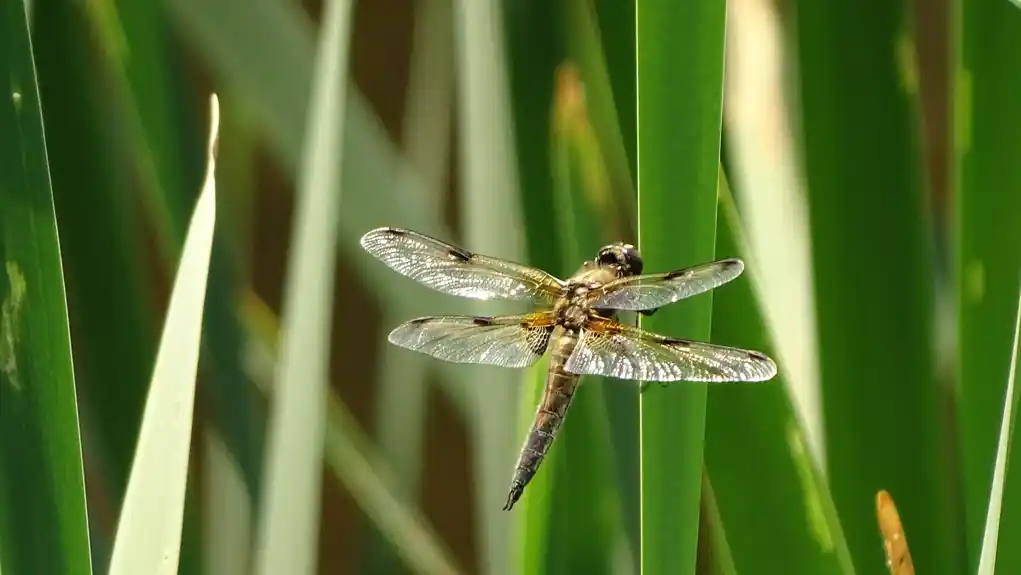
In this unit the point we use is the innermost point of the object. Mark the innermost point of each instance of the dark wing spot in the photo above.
(419, 320)
(395, 231)
(757, 355)
(459, 254)
(676, 274)
(482, 321)
(734, 262)
(676, 342)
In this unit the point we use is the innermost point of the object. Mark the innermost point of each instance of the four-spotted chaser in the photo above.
(580, 322)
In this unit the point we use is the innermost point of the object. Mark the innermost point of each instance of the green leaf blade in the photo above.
(786, 522)
(680, 48)
(571, 528)
(872, 262)
(150, 527)
(1003, 496)
(287, 538)
(43, 522)
(987, 148)
(109, 322)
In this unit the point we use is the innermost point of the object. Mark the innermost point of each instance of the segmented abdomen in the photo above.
(550, 414)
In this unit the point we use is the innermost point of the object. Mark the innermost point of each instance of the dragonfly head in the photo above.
(623, 258)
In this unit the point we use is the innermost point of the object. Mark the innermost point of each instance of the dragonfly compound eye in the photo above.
(632, 263)
(610, 256)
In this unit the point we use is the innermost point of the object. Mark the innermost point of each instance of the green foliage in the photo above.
(577, 124)
(298, 417)
(43, 524)
(987, 145)
(795, 529)
(874, 278)
(150, 525)
(679, 110)
(1001, 516)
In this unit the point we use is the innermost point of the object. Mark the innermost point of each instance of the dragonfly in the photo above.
(577, 324)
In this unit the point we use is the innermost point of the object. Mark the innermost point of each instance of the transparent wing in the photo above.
(651, 291)
(505, 341)
(616, 350)
(452, 270)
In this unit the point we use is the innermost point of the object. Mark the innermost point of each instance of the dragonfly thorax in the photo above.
(573, 311)
(573, 317)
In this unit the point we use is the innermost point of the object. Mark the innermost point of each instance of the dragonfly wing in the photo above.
(505, 341)
(449, 269)
(613, 349)
(651, 291)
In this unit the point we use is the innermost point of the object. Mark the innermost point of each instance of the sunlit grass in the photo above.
(297, 420)
(989, 556)
(986, 145)
(149, 529)
(796, 529)
(43, 524)
(680, 50)
(875, 278)
(484, 151)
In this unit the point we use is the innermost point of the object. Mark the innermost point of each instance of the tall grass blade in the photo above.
(401, 412)
(606, 115)
(354, 460)
(348, 455)
(989, 557)
(533, 53)
(147, 95)
(401, 409)
(148, 89)
(491, 222)
(615, 23)
(287, 538)
(149, 531)
(680, 54)
(601, 44)
(762, 161)
(429, 102)
(162, 144)
(574, 524)
(227, 515)
(262, 50)
(987, 147)
(531, 32)
(43, 522)
(110, 323)
(786, 522)
(714, 555)
(872, 260)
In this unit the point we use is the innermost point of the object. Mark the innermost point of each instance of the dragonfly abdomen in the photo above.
(549, 415)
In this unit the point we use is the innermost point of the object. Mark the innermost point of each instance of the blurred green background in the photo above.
(862, 156)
